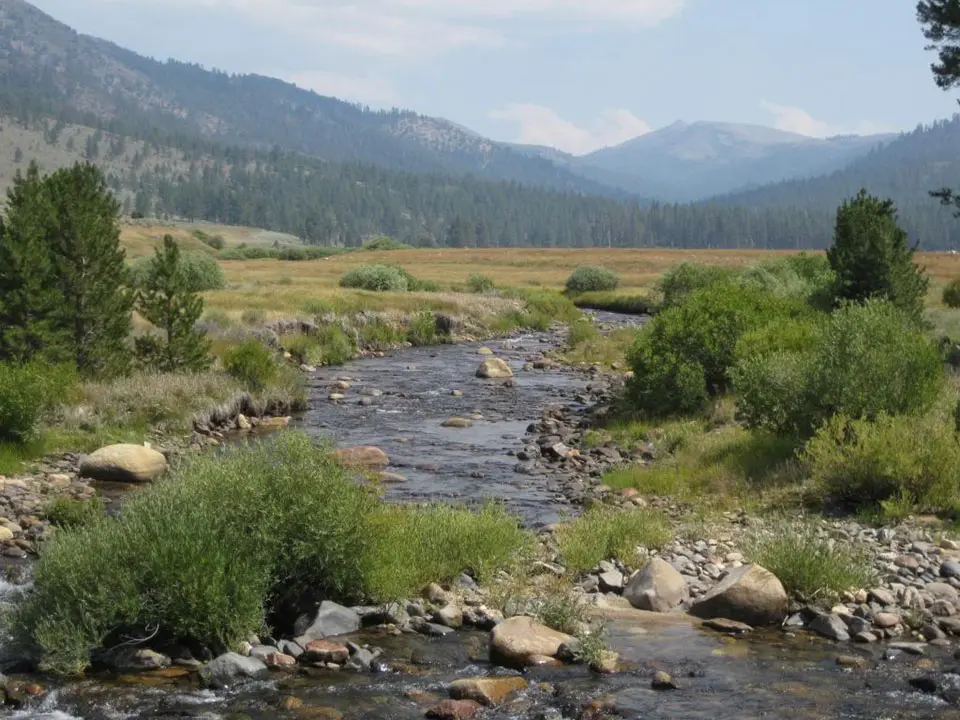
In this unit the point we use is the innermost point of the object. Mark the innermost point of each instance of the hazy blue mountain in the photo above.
(692, 161)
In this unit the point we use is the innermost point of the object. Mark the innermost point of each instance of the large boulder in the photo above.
(232, 668)
(330, 620)
(517, 642)
(749, 594)
(658, 587)
(363, 457)
(493, 368)
(124, 463)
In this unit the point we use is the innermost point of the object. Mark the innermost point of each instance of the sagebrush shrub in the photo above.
(378, 278)
(592, 279)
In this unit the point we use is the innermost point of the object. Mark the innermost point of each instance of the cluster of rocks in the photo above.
(239, 415)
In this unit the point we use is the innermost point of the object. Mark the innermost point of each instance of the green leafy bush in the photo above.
(871, 360)
(290, 254)
(214, 241)
(683, 356)
(681, 280)
(480, 283)
(378, 278)
(800, 277)
(862, 361)
(592, 279)
(232, 541)
(26, 391)
(252, 364)
(384, 242)
(951, 294)
(864, 463)
(773, 392)
(200, 272)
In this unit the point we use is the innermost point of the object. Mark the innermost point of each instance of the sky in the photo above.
(577, 75)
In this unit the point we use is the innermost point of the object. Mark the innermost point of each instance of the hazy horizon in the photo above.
(576, 75)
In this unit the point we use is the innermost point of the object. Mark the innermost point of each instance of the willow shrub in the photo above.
(207, 555)
(867, 464)
(863, 361)
(684, 355)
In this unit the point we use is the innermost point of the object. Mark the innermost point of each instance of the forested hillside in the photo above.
(905, 170)
(48, 70)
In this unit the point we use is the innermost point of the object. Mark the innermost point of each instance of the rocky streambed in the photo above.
(449, 435)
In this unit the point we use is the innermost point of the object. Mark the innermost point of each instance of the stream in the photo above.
(398, 403)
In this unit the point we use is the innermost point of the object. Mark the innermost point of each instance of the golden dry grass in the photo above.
(286, 288)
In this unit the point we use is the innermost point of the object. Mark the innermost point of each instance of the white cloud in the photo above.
(538, 125)
(430, 27)
(798, 120)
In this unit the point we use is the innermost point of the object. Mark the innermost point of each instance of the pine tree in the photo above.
(872, 257)
(29, 297)
(166, 300)
(91, 275)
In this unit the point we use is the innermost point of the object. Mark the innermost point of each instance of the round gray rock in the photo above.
(124, 463)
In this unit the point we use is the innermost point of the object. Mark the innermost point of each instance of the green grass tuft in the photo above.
(604, 534)
(211, 553)
(811, 567)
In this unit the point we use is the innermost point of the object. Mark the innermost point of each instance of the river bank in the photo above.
(525, 445)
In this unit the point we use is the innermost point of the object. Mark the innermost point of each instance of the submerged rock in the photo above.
(124, 463)
(515, 641)
(749, 594)
(454, 710)
(457, 422)
(363, 457)
(658, 587)
(486, 691)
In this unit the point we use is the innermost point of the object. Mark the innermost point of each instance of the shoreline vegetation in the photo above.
(781, 385)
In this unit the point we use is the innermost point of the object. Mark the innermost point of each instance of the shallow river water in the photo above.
(410, 394)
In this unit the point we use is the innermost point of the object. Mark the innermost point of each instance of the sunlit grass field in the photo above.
(285, 288)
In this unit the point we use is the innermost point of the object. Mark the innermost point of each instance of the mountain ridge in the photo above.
(97, 80)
